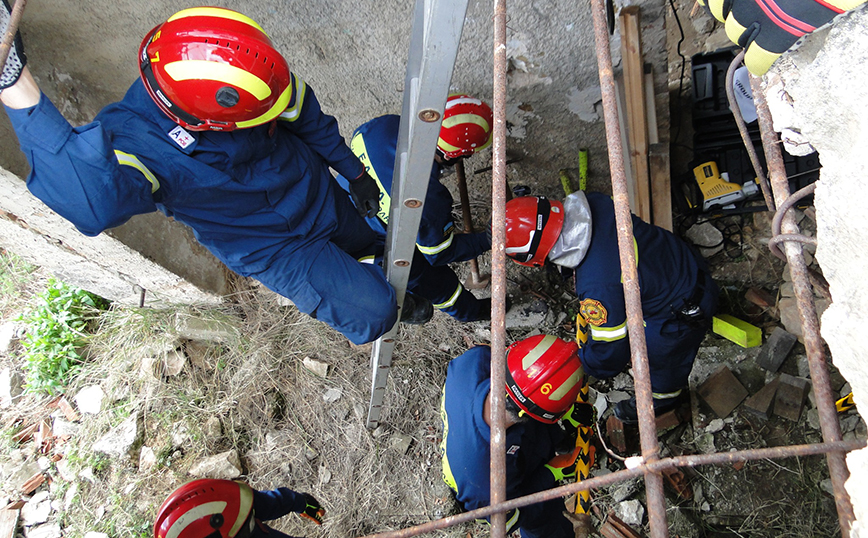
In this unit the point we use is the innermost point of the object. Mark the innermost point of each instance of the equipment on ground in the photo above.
(543, 376)
(715, 191)
(533, 224)
(210, 68)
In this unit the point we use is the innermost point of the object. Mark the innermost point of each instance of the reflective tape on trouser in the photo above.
(665, 395)
(451, 300)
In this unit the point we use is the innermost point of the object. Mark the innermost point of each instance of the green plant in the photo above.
(57, 329)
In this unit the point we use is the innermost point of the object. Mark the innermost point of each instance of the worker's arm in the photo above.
(437, 239)
(268, 505)
(602, 334)
(318, 130)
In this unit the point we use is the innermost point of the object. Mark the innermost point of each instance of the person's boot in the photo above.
(625, 410)
(416, 310)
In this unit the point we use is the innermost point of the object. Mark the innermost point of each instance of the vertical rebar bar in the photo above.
(630, 277)
(829, 425)
(498, 274)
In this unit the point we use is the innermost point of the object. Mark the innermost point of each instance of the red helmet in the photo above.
(210, 68)
(533, 224)
(543, 376)
(207, 508)
(466, 126)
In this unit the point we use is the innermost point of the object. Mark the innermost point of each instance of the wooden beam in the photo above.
(634, 77)
(661, 185)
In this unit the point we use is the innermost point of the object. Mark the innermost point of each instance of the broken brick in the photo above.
(675, 478)
(776, 349)
(790, 397)
(760, 403)
(25, 434)
(68, 410)
(722, 392)
(32, 483)
(621, 529)
(759, 297)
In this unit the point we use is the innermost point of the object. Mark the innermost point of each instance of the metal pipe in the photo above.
(498, 274)
(11, 30)
(630, 276)
(829, 425)
(475, 280)
(745, 136)
(782, 210)
(627, 474)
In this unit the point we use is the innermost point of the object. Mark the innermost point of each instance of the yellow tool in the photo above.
(716, 190)
(845, 404)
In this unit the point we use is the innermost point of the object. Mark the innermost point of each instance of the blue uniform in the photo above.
(671, 275)
(466, 454)
(262, 199)
(273, 504)
(437, 244)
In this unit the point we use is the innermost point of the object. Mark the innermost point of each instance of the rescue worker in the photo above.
(220, 135)
(466, 129)
(543, 379)
(679, 297)
(212, 508)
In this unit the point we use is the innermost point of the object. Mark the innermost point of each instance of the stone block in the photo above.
(722, 392)
(122, 440)
(226, 465)
(761, 403)
(776, 349)
(790, 397)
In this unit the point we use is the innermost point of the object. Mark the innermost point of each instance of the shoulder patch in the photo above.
(593, 311)
(181, 137)
(513, 449)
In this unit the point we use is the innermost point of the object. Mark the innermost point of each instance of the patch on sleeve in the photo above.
(513, 449)
(593, 311)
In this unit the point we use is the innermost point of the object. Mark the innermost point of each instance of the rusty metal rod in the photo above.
(782, 210)
(498, 274)
(829, 425)
(745, 136)
(465, 213)
(630, 276)
(628, 474)
(11, 30)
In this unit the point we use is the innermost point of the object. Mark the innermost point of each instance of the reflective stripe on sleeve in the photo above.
(609, 334)
(436, 249)
(293, 111)
(451, 300)
(128, 159)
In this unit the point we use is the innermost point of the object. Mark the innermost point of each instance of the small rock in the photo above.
(87, 474)
(211, 330)
(213, 429)
(310, 454)
(121, 440)
(226, 465)
(803, 366)
(622, 381)
(401, 442)
(705, 507)
(813, 418)
(8, 337)
(705, 234)
(89, 399)
(60, 427)
(623, 491)
(444, 347)
(43, 463)
(51, 530)
(181, 434)
(147, 458)
(705, 443)
(715, 426)
(848, 423)
(174, 362)
(332, 395)
(325, 475)
(36, 510)
(616, 396)
(826, 485)
(69, 497)
(64, 470)
(316, 367)
(11, 386)
(631, 512)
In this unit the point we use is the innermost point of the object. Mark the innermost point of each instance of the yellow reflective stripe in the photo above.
(272, 113)
(215, 12)
(128, 159)
(445, 146)
(245, 499)
(436, 249)
(452, 121)
(538, 351)
(510, 523)
(665, 395)
(367, 259)
(448, 477)
(357, 145)
(193, 515)
(609, 334)
(220, 72)
(451, 300)
(567, 385)
(292, 113)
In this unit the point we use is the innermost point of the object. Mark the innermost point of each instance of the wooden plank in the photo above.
(8, 522)
(661, 186)
(634, 77)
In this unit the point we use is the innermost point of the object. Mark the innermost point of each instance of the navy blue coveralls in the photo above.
(465, 451)
(273, 504)
(261, 199)
(437, 244)
(671, 275)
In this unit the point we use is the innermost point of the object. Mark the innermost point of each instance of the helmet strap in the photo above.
(543, 211)
(189, 119)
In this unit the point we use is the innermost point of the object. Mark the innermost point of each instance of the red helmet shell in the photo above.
(543, 376)
(533, 224)
(466, 127)
(210, 68)
(206, 508)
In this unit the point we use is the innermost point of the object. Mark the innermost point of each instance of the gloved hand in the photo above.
(313, 511)
(581, 414)
(366, 195)
(766, 28)
(16, 60)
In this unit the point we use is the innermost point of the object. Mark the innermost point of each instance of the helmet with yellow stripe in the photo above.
(210, 68)
(207, 508)
(466, 127)
(543, 376)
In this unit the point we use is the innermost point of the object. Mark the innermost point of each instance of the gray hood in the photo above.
(572, 245)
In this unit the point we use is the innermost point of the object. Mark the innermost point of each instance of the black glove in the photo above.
(313, 511)
(366, 195)
(765, 35)
(16, 60)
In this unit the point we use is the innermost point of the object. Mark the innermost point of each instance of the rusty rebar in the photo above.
(745, 136)
(630, 276)
(829, 425)
(779, 215)
(838, 447)
(11, 30)
(467, 218)
(498, 274)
